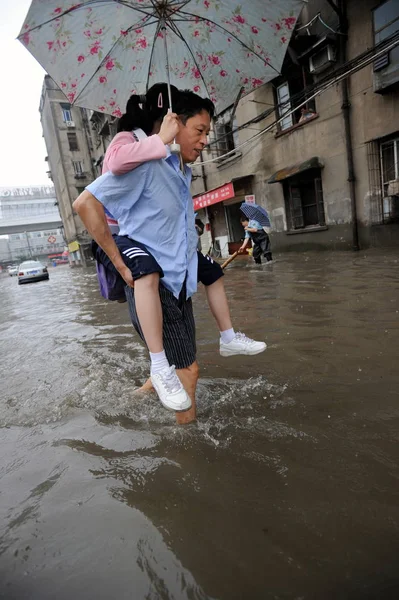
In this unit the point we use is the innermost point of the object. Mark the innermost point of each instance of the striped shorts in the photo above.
(178, 326)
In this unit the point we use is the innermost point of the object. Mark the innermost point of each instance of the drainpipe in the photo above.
(203, 174)
(346, 113)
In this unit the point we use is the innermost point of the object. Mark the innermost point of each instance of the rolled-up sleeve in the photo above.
(110, 190)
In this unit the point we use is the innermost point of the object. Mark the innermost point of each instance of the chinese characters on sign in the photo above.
(22, 192)
(250, 199)
(218, 195)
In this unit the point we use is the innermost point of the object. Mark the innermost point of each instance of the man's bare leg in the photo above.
(217, 300)
(189, 379)
(147, 387)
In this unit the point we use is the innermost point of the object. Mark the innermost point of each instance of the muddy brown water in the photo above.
(287, 486)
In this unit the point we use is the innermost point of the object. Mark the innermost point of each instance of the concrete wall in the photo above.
(373, 115)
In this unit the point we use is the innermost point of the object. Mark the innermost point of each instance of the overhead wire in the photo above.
(356, 64)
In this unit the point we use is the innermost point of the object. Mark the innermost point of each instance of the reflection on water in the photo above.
(285, 487)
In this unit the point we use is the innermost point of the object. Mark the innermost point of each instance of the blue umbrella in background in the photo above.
(254, 211)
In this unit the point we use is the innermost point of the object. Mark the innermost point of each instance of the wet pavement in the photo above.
(286, 488)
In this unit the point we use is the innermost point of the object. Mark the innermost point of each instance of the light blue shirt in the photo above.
(153, 206)
(253, 224)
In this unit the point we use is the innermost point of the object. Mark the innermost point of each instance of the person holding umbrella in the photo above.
(155, 228)
(254, 219)
(126, 152)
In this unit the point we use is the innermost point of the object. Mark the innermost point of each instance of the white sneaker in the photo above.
(170, 391)
(242, 344)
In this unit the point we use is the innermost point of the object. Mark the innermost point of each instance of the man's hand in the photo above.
(169, 128)
(241, 249)
(126, 274)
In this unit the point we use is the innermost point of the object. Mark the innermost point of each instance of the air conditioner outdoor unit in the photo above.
(322, 59)
(70, 123)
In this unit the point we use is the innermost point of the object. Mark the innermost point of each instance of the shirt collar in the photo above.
(174, 160)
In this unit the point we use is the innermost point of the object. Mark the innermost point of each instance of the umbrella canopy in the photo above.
(99, 52)
(254, 211)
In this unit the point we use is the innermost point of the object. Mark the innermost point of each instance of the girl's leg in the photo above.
(149, 313)
(149, 310)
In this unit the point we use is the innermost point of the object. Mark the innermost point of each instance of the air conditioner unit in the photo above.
(70, 123)
(322, 60)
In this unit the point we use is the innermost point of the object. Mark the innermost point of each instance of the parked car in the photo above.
(32, 270)
(12, 270)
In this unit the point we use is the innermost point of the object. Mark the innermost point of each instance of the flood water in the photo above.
(287, 486)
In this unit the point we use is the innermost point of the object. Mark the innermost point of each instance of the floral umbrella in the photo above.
(100, 52)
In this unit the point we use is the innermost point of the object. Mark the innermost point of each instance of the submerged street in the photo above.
(286, 488)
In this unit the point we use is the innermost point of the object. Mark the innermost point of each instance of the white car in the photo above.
(12, 270)
(32, 270)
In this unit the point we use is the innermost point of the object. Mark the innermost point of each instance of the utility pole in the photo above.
(27, 241)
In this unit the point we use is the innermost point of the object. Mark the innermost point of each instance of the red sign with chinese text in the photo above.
(214, 196)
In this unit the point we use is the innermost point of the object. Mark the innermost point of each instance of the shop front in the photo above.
(220, 209)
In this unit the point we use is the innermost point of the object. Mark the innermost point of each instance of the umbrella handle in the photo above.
(174, 148)
(229, 260)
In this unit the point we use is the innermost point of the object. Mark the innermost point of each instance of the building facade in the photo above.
(30, 223)
(67, 135)
(321, 157)
(327, 172)
(76, 140)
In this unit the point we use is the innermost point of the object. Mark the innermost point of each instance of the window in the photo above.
(389, 156)
(290, 90)
(73, 141)
(386, 20)
(77, 167)
(66, 112)
(304, 200)
(386, 24)
(389, 161)
(226, 137)
(284, 105)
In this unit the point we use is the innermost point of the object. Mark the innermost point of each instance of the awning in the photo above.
(311, 163)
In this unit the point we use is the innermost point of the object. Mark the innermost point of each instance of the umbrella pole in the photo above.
(174, 148)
